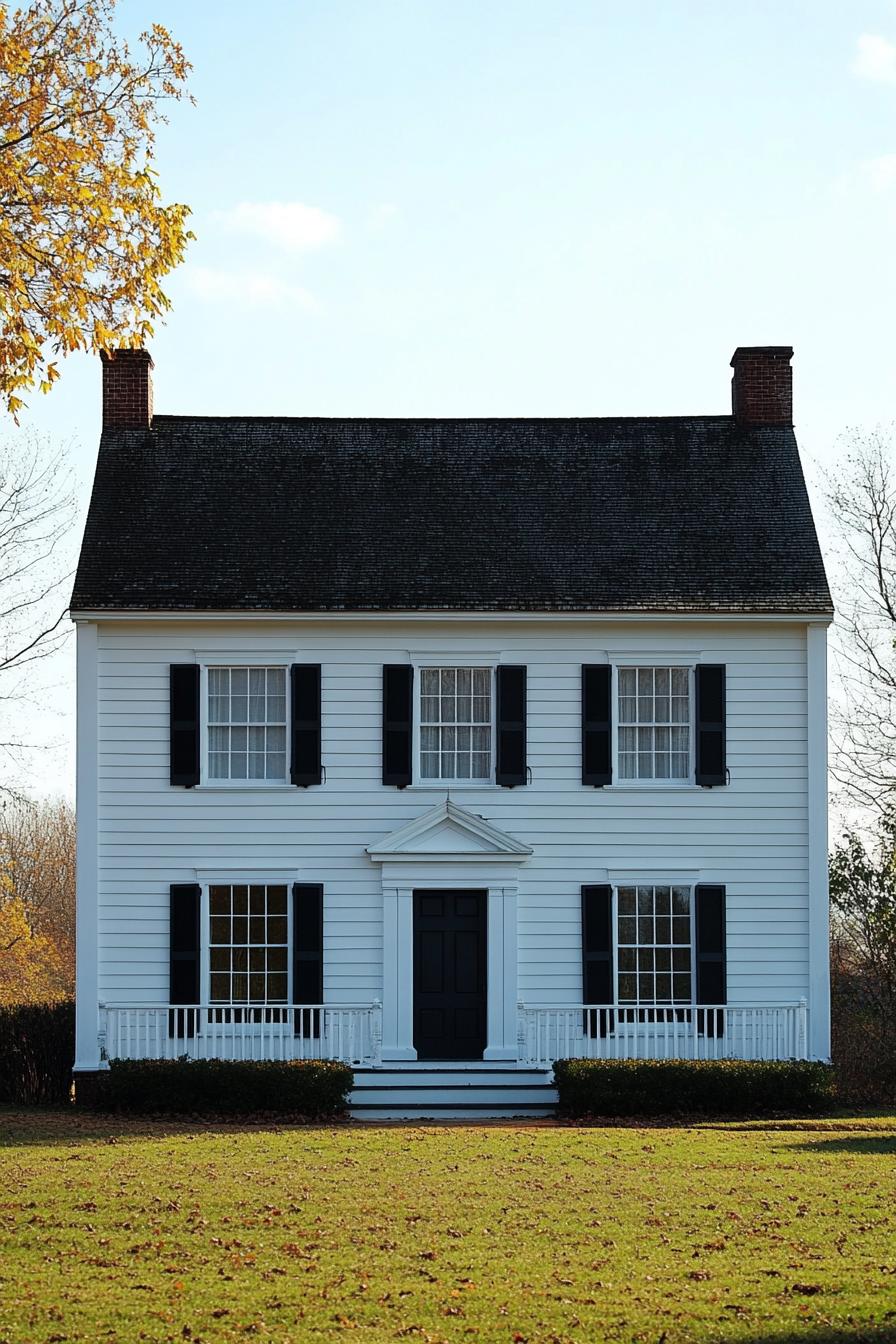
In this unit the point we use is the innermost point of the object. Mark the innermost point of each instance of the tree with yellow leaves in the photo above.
(37, 899)
(85, 238)
(30, 965)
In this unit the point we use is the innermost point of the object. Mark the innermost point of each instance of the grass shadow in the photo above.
(72, 1128)
(862, 1334)
(861, 1145)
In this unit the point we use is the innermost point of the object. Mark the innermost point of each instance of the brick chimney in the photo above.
(762, 386)
(127, 389)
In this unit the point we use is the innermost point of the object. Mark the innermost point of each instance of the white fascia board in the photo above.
(515, 617)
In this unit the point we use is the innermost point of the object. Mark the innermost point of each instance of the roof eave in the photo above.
(799, 616)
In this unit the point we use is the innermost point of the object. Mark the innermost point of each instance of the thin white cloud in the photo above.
(381, 216)
(289, 225)
(880, 173)
(873, 177)
(251, 289)
(875, 59)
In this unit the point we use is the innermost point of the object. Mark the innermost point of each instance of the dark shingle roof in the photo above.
(676, 514)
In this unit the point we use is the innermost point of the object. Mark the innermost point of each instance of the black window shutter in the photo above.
(597, 768)
(304, 765)
(710, 687)
(710, 955)
(597, 956)
(511, 718)
(398, 687)
(184, 724)
(183, 977)
(307, 953)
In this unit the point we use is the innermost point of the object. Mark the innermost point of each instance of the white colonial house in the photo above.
(451, 747)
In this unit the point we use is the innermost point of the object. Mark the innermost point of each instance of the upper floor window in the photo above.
(654, 723)
(247, 723)
(654, 945)
(456, 723)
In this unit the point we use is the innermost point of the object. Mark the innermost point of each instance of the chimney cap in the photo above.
(135, 352)
(761, 351)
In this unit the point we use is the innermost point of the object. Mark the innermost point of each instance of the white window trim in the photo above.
(238, 879)
(452, 660)
(654, 881)
(229, 785)
(664, 660)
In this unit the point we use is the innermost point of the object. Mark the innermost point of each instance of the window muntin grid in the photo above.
(248, 944)
(653, 945)
(455, 722)
(247, 723)
(654, 736)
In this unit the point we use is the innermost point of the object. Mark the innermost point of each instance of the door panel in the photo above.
(450, 995)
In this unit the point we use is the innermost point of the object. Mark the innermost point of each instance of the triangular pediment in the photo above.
(451, 832)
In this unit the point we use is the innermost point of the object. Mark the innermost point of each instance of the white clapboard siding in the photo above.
(752, 835)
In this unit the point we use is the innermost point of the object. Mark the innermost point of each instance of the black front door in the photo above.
(449, 974)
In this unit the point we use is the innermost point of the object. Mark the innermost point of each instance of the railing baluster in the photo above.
(545, 1033)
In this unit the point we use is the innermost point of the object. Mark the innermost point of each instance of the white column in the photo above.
(87, 1055)
(502, 973)
(390, 970)
(398, 973)
(819, 911)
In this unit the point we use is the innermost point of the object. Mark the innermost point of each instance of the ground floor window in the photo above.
(248, 944)
(654, 946)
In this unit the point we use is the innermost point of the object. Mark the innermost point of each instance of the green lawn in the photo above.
(119, 1231)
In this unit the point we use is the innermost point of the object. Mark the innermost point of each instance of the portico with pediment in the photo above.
(464, 944)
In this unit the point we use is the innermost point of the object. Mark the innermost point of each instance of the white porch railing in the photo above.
(583, 1031)
(348, 1032)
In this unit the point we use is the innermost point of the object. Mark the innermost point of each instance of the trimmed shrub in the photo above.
(310, 1088)
(37, 1051)
(670, 1087)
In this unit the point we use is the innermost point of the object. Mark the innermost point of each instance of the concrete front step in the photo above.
(437, 1113)
(445, 1095)
(424, 1091)
(417, 1078)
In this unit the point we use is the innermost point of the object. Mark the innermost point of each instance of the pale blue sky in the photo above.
(445, 207)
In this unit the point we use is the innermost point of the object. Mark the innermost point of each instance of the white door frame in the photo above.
(449, 849)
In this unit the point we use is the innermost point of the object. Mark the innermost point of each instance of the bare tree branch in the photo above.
(861, 496)
(36, 514)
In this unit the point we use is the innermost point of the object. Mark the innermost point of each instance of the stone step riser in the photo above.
(449, 1078)
(450, 1096)
(435, 1113)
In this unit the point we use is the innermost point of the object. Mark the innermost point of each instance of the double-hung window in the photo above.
(654, 726)
(246, 723)
(455, 720)
(248, 944)
(654, 939)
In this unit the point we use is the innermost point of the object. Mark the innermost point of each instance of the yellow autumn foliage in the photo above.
(30, 966)
(85, 238)
(37, 901)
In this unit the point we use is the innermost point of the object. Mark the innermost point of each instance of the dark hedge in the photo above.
(310, 1088)
(37, 1051)
(715, 1087)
